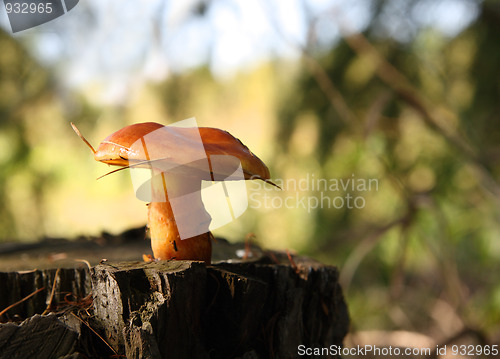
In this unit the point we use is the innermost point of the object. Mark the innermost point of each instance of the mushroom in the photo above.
(179, 159)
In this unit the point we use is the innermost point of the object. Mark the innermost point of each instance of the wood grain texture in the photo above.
(263, 307)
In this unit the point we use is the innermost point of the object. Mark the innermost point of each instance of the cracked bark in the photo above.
(263, 308)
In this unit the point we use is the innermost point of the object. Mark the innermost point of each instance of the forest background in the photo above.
(380, 120)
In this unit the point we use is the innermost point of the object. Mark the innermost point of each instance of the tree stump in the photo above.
(260, 308)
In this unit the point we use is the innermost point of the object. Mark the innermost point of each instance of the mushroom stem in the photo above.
(184, 195)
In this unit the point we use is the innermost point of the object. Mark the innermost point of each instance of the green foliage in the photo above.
(23, 86)
(429, 132)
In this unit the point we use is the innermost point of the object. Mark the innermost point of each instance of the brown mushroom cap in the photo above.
(116, 148)
(177, 147)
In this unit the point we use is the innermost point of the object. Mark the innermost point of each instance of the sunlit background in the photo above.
(379, 119)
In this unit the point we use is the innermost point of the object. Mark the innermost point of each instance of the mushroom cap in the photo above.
(181, 149)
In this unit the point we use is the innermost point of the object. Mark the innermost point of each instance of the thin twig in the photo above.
(92, 329)
(405, 90)
(248, 245)
(77, 131)
(52, 293)
(325, 83)
(413, 97)
(292, 262)
(356, 257)
(20, 301)
(84, 261)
